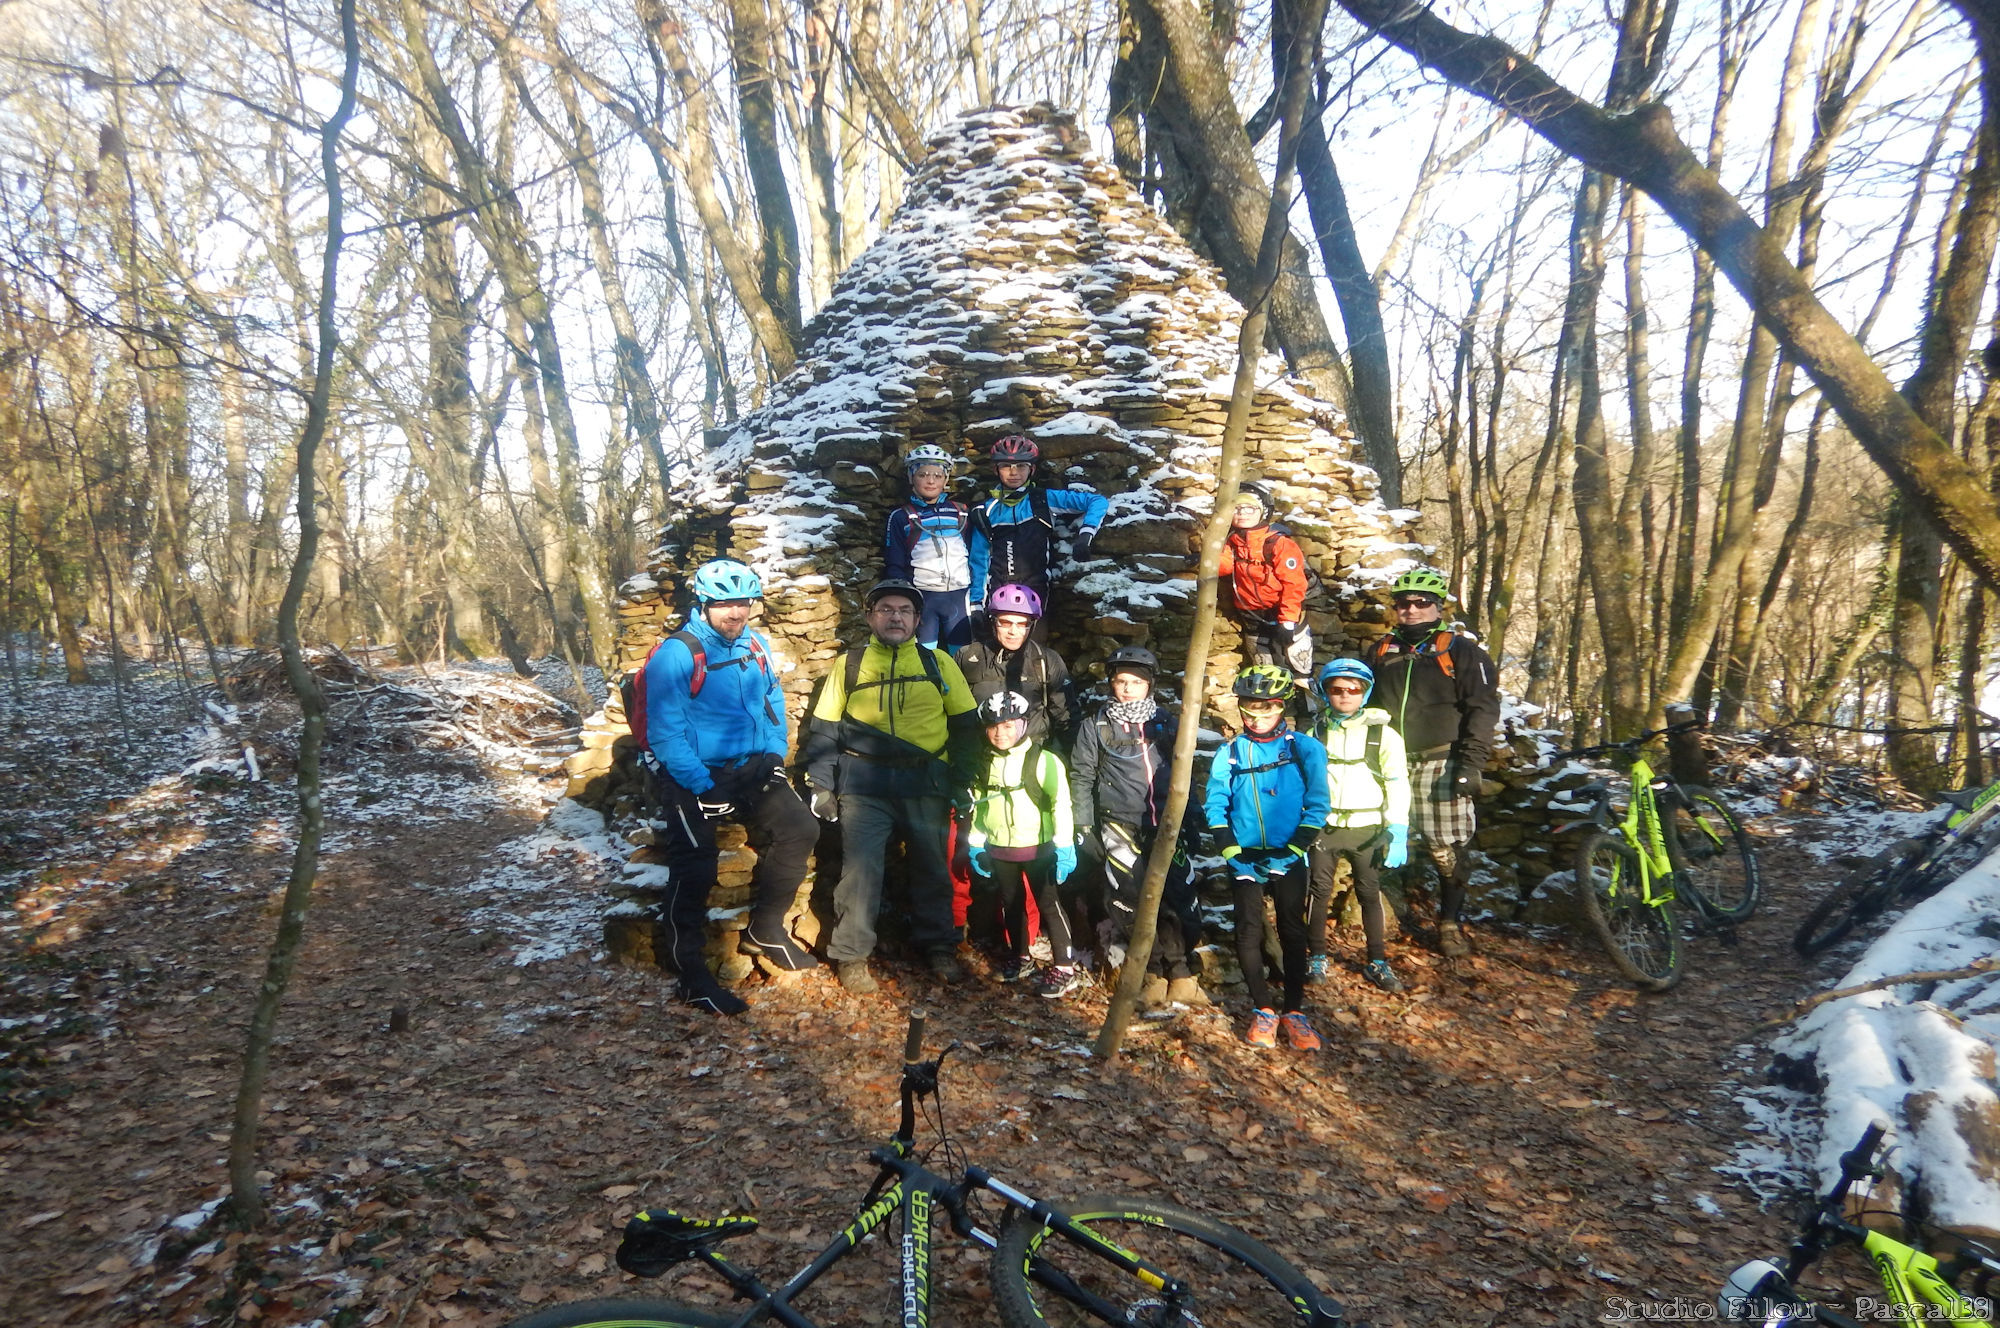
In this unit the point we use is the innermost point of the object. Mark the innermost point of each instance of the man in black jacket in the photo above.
(1443, 696)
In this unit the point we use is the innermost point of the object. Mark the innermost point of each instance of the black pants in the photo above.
(782, 830)
(1361, 845)
(1014, 880)
(1287, 890)
(1124, 854)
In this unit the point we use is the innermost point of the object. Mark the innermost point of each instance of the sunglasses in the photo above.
(1345, 691)
(1414, 601)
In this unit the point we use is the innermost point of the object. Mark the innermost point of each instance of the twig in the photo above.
(1987, 965)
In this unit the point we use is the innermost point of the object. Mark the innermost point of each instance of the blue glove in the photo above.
(1398, 851)
(980, 865)
(1241, 867)
(1065, 862)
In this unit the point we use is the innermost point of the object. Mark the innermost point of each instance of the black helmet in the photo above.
(891, 586)
(1003, 706)
(1260, 493)
(1132, 659)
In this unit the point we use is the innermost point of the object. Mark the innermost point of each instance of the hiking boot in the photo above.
(1263, 1030)
(1013, 968)
(1379, 973)
(944, 964)
(780, 949)
(1056, 983)
(855, 978)
(1153, 1001)
(1186, 991)
(1451, 941)
(1299, 1035)
(712, 996)
(1316, 969)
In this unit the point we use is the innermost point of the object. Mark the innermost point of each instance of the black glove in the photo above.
(826, 806)
(975, 621)
(1285, 632)
(1222, 838)
(1303, 839)
(715, 804)
(1079, 548)
(1464, 780)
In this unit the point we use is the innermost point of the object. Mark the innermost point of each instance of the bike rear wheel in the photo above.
(1043, 1275)
(1954, 862)
(1643, 940)
(1712, 853)
(1859, 896)
(624, 1314)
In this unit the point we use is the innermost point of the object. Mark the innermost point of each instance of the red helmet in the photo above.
(1015, 449)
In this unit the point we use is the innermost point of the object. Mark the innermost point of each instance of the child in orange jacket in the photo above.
(1266, 571)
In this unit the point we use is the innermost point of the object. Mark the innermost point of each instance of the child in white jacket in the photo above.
(1369, 823)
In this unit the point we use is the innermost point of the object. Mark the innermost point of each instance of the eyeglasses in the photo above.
(1345, 691)
(1414, 601)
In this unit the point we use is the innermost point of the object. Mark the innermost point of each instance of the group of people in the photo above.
(953, 730)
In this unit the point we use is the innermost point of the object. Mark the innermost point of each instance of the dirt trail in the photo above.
(1516, 1139)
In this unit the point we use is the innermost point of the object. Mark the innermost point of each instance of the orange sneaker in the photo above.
(1299, 1035)
(1263, 1030)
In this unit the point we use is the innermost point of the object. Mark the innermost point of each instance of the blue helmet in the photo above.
(1348, 668)
(725, 578)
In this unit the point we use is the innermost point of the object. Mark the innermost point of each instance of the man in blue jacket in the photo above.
(715, 748)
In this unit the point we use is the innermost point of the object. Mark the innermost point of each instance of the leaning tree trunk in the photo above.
(1229, 470)
(244, 1195)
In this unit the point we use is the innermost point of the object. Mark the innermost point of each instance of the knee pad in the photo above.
(1446, 859)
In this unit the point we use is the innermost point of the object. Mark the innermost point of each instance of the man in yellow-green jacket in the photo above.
(892, 723)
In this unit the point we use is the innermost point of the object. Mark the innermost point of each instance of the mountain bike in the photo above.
(1129, 1261)
(1920, 1289)
(1674, 842)
(1910, 869)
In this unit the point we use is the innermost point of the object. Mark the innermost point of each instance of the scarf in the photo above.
(1135, 713)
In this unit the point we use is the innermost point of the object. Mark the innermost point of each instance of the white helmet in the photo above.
(929, 454)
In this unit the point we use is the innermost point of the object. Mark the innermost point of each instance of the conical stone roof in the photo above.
(1022, 286)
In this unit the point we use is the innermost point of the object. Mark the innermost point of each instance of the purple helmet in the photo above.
(1014, 599)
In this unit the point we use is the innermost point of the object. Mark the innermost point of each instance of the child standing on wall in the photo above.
(927, 546)
(1369, 820)
(1266, 802)
(1013, 530)
(1022, 837)
(1266, 572)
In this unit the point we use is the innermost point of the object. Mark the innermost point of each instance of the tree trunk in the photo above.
(1229, 468)
(1642, 148)
(750, 57)
(866, 48)
(244, 1194)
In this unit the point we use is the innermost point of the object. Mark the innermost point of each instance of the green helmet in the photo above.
(1422, 581)
(1264, 682)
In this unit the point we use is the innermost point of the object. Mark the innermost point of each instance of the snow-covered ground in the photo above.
(1917, 1058)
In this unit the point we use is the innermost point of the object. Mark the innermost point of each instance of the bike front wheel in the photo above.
(624, 1314)
(1859, 896)
(1642, 938)
(1047, 1274)
(1713, 856)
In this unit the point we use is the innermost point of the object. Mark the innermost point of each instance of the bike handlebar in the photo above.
(913, 1044)
(1631, 744)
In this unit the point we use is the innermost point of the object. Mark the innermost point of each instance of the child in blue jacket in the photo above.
(1013, 530)
(1267, 799)
(927, 545)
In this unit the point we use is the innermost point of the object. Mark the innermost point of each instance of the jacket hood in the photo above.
(1365, 716)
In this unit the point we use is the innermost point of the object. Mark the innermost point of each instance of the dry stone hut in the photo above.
(1022, 286)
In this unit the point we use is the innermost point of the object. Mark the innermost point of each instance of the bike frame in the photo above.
(1911, 1278)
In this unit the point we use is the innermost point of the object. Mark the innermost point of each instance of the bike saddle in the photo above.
(1593, 788)
(1963, 799)
(658, 1238)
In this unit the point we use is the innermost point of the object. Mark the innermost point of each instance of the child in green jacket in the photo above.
(1022, 836)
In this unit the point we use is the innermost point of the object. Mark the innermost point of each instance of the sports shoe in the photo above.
(1153, 1002)
(855, 978)
(1299, 1035)
(712, 997)
(1379, 973)
(1263, 1030)
(1316, 967)
(781, 950)
(946, 966)
(1451, 941)
(1056, 983)
(1013, 968)
(1186, 991)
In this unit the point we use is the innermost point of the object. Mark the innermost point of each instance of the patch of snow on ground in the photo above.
(546, 887)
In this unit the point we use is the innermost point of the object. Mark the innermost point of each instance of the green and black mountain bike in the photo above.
(1918, 1289)
(1133, 1262)
(1673, 843)
(1910, 869)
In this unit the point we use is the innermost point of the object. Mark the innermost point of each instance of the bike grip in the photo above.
(913, 1045)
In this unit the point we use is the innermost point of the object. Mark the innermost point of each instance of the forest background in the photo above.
(580, 236)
